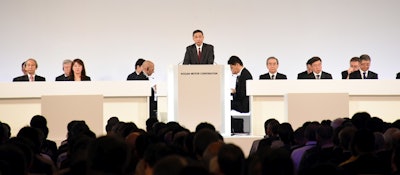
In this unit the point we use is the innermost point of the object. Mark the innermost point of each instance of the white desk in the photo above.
(127, 100)
(380, 98)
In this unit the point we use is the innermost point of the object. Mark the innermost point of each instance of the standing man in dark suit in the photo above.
(147, 70)
(354, 66)
(30, 68)
(240, 100)
(364, 72)
(304, 75)
(138, 70)
(272, 66)
(317, 73)
(67, 70)
(199, 52)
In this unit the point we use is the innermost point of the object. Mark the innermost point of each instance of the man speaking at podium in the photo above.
(199, 52)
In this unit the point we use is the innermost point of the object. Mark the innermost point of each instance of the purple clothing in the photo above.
(298, 153)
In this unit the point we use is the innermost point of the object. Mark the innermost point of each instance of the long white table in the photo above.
(380, 98)
(127, 100)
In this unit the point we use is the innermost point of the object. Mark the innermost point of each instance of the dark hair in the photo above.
(80, 62)
(139, 62)
(235, 60)
(231, 159)
(108, 155)
(205, 125)
(38, 121)
(364, 141)
(309, 61)
(150, 123)
(365, 57)
(197, 31)
(273, 58)
(111, 122)
(355, 59)
(314, 59)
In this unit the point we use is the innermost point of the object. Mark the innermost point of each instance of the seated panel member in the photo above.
(317, 73)
(199, 52)
(240, 100)
(30, 68)
(67, 70)
(398, 76)
(147, 70)
(78, 71)
(354, 66)
(364, 72)
(304, 75)
(272, 66)
(23, 68)
(138, 70)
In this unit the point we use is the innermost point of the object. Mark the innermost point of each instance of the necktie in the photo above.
(31, 78)
(199, 55)
(364, 77)
(273, 77)
(318, 76)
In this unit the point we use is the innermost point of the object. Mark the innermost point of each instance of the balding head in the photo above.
(148, 67)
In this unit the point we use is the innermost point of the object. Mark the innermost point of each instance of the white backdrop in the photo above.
(109, 35)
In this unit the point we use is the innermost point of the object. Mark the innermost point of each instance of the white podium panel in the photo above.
(200, 95)
(380, 98)
(20, 101)
(302, 107)
(60, 110)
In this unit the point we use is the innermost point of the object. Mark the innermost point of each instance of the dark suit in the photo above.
(83, 78)
(207, 54)
(302, 75)
(324, 75)
(240, 100)
(357, 75)
(62, 78)
(135, 76)
(279, 76)
(398, 76)
(26, 78)
(344, 74)
(153, 104)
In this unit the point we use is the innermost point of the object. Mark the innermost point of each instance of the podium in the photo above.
(200, 93)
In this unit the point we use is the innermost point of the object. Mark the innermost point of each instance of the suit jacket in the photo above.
(26, 78)
(279, 76)
(357, 75)
(207, 54)
(134, 76)
(324, 75)
(398, 76)
(302, 75)
(62, 78)
(83, 78)
(344, 74)
(240, 96)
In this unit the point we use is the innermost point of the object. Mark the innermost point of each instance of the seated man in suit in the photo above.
(147, 70)
(354, 66)
(272, 66)
(23, 68)
(30, 68)
(199, 52)
(138, 70)
(398, 76)
(317, 73)
(67, 70)
(304, 75)
(240, 100)
(364, 72)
